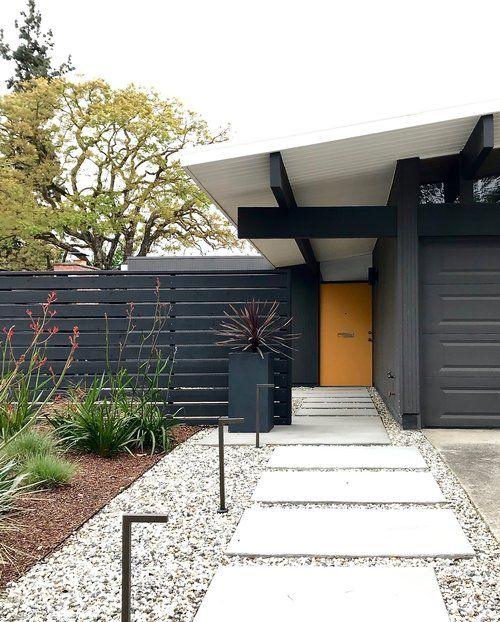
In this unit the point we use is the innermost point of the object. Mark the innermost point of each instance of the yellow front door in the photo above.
(345, 334)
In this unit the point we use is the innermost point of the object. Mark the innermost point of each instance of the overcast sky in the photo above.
(274, 67)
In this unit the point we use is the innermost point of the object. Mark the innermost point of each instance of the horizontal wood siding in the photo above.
(194, 307)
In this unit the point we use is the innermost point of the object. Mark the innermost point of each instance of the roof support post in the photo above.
(465, 185)
(406, 194)
(283, 193)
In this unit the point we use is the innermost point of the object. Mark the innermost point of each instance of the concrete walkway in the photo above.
(474, 457)
(315, 471)
(336, 404)
(341, 430)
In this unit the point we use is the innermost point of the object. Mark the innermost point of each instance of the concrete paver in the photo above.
(331, 532)
(347, 487)
(336, 412)
(363, 430)
(330, 457)
(295, 594)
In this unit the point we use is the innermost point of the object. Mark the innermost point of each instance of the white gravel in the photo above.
(173, 563)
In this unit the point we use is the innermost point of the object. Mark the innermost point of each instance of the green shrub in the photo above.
(94, 424)
(48, 470)
(151, 430)
(29, 443)
(121, 410)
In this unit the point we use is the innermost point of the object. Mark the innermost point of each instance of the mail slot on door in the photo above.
(345, 335)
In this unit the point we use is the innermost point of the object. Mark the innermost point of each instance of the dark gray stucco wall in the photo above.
(305, 312)
(385, 333)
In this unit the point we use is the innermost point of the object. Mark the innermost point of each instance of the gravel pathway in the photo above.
(175, 562)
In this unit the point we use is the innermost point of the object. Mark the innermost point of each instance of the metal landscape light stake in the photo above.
(222, 482)
(257, 413)
(221, 422)
(127, 520)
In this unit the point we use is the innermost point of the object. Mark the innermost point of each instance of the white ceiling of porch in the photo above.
(353, 165)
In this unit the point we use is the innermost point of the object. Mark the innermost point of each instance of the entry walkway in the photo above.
(353, 430)
(336, 403)
(287, 521)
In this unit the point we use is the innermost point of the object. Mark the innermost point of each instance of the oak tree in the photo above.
(102, 165)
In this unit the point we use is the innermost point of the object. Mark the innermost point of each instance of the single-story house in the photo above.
(391, 231)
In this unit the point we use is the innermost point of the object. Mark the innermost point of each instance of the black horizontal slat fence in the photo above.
(193, 306)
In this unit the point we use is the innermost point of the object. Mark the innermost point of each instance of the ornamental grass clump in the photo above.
(12, 485)
(257, 327)
(35, 456)
(29, 443)
(48, 471)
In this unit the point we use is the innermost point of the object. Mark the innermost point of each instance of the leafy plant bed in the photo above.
(47, 518)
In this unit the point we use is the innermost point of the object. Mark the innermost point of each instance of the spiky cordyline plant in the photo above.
(256, 327)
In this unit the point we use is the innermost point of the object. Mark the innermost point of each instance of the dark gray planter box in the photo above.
(246, 371)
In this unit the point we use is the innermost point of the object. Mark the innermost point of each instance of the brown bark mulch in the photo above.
(47, 518)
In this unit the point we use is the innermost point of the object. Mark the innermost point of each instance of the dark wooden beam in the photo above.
(491, 166)
(406, 195)
(306, 250)
(283, 193)
(317, 222)
(478, 147)
(279, 182)
(307, 253)
(442, 168)
(471, 162)
(463, 220)
(437, 169)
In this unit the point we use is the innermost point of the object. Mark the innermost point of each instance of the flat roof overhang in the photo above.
(348, 166)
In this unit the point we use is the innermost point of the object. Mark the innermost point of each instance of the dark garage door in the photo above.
(460, 328)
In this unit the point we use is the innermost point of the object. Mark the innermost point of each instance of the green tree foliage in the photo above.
(23, 174)
(32, 57)
(101, 165)
(487, 190)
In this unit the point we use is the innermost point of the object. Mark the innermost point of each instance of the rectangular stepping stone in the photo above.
(336, 400)
(330, 532)
(328, 391)
(339, 395)
(347, 487)
(336, 412)
(319, 594)
(326, 401)
(322, 398)
(341, 405)
(362, 430)
(346, 458)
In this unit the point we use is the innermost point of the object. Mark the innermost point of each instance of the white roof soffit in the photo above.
(352, 165)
